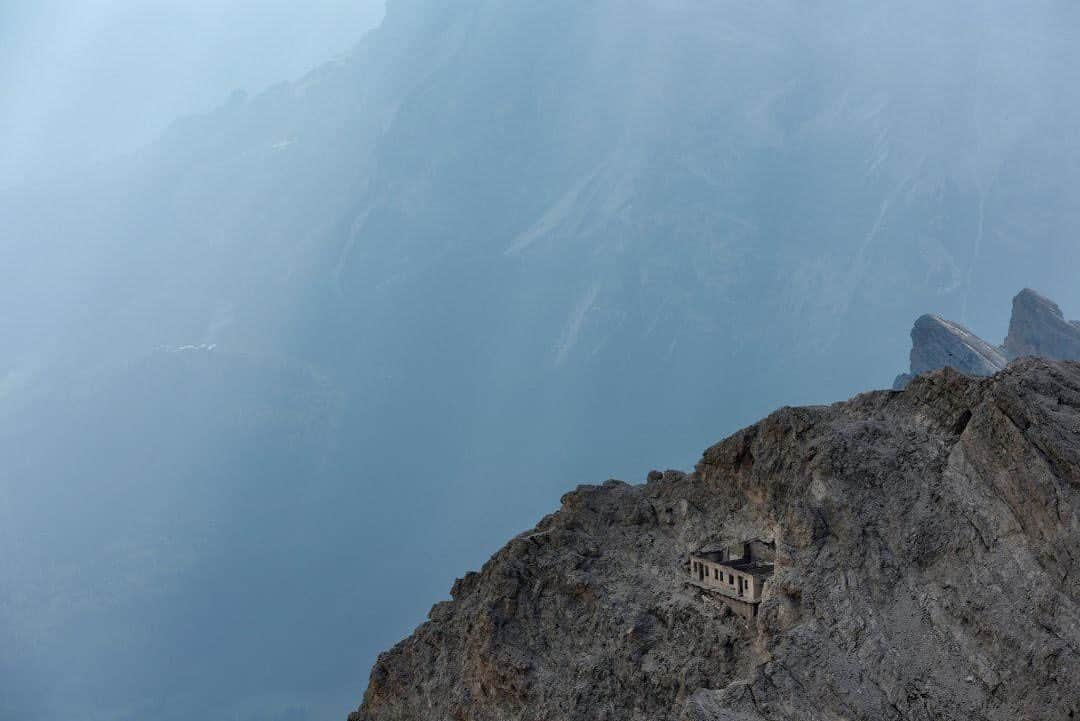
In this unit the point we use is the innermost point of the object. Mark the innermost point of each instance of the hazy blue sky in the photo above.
(81, 80)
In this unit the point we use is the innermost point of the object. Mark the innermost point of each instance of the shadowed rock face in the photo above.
(1038, 328)
(928, 566)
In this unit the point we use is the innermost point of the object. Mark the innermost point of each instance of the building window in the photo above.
(715, 573)
(731, 579)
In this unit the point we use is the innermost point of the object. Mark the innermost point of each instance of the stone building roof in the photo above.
(757, 569)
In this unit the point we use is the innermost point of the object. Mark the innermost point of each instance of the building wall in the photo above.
(742, 608)
(725, 580)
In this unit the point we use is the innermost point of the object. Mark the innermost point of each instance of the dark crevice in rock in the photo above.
(962, 422)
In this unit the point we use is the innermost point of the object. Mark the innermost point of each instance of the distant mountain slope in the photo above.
(926, 568)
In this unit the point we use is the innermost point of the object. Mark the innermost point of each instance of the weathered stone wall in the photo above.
(726, 580)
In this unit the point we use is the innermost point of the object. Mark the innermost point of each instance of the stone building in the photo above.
(735, 573)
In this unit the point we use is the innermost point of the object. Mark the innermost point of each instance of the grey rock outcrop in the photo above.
(937, 343)
(928, 567)
(1038, 328)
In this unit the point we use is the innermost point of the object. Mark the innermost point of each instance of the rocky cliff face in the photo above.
(1037, 328)
(928, 567)
(937, 343)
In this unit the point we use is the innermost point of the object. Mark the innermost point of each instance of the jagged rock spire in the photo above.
(1038, 328)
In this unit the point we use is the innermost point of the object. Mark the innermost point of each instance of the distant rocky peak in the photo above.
(1037, 328)
(938, 342)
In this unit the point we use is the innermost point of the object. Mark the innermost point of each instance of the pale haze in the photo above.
(307, 308)
(83, 81)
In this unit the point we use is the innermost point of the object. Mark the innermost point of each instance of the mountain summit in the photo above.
(927, 565)
(1037, 328)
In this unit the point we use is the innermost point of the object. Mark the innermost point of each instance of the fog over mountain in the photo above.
(82, 82)
(272, 380)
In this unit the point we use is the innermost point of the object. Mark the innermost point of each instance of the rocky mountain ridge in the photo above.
(928, 544)
(1037, 328)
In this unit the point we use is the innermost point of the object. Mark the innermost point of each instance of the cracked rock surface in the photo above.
(928, 544)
